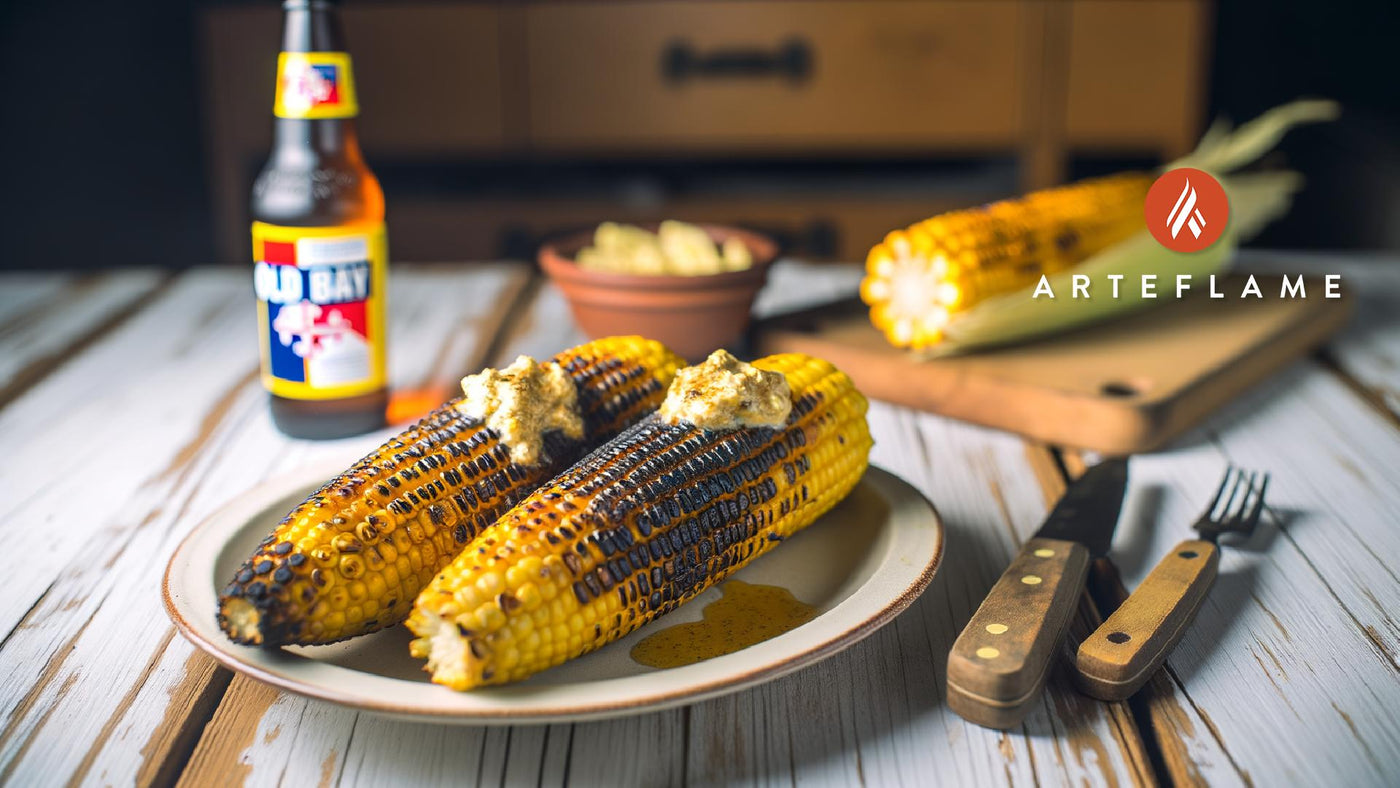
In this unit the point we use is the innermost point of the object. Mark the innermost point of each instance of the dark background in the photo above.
(104, 155)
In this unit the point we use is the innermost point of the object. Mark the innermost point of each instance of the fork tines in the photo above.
(1241, 508)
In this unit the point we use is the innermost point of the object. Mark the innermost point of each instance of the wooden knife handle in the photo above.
(1124, 652)
(998, 664)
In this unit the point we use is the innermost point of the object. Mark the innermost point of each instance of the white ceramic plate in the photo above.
(860, 565)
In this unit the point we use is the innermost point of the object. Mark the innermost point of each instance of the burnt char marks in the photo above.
(599, 382)
(447, 474)
(671, 508)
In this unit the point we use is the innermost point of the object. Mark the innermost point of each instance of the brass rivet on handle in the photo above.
(997, 629)
(987, 652)
(1031, 580)
(1044, 552)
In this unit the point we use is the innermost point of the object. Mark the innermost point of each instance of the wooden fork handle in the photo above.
(998, 664)
(1126, 649)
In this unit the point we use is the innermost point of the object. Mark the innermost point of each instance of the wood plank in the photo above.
(1368, 349)
(444, 326)
(266, 736)
(1299, 628)
(101, 688)
(74, 407)
(48, 320)
(1117, 388)
(794, 285)
(539, 327)
(218, 759)
(22, 290)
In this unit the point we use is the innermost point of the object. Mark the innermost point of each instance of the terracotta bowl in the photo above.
(693, 315)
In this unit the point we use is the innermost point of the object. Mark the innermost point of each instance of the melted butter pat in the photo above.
(745, 615)
(521, 403)
(724, 393)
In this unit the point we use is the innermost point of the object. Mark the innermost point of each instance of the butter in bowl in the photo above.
(689, 286)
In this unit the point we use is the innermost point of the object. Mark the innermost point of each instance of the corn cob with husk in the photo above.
(352, 557)
(643, 524)
(964, 279)
(920, 277)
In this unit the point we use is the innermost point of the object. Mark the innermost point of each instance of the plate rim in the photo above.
(632, 704)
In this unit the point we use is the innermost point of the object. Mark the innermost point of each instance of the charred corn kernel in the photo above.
(395, 518)
(918, 277)
(642, 525)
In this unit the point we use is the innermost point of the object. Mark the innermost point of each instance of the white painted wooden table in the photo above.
(129, 410)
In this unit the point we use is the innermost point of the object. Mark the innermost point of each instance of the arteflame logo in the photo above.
(1186, 207)
(1186, 210)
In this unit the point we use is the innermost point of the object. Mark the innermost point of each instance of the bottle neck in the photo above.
(311, 26)
(303, 127)
(296, 138)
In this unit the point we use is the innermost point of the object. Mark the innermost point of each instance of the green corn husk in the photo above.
(1255, 200)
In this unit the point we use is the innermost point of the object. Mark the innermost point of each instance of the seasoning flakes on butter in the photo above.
(521, 403)
(724, 393)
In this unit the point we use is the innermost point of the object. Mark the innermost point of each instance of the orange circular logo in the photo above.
(1186, 210)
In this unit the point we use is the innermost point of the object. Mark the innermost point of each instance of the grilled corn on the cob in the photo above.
(918, 278)
(641, 525)
(352, 557)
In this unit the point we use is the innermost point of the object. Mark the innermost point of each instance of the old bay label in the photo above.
(320, 294)
(315, 85)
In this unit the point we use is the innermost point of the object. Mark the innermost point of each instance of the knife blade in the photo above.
(998, 665)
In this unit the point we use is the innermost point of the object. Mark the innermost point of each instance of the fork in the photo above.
(1125, 650)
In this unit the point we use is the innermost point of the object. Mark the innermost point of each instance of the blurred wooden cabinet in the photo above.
(530, 82)
(1135, 74)
(781, 75)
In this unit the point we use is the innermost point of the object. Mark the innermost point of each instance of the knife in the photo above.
(998, 665)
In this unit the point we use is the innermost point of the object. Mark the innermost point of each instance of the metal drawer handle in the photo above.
(792, 60)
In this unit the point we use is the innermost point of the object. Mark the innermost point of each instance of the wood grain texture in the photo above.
(42, 327)
(1118, 387)
(1299, 629)
(190, 704)
(23, 291)
(156, 424)
(1368, 349)
(1120, 656)
(1000, 661)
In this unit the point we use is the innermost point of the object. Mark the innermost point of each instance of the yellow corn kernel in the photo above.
(609, 549)
(396, 517)
(955, 260)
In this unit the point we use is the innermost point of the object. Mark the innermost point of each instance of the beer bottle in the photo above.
(320, 256)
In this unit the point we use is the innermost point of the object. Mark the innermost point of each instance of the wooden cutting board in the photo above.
(1121, 387)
